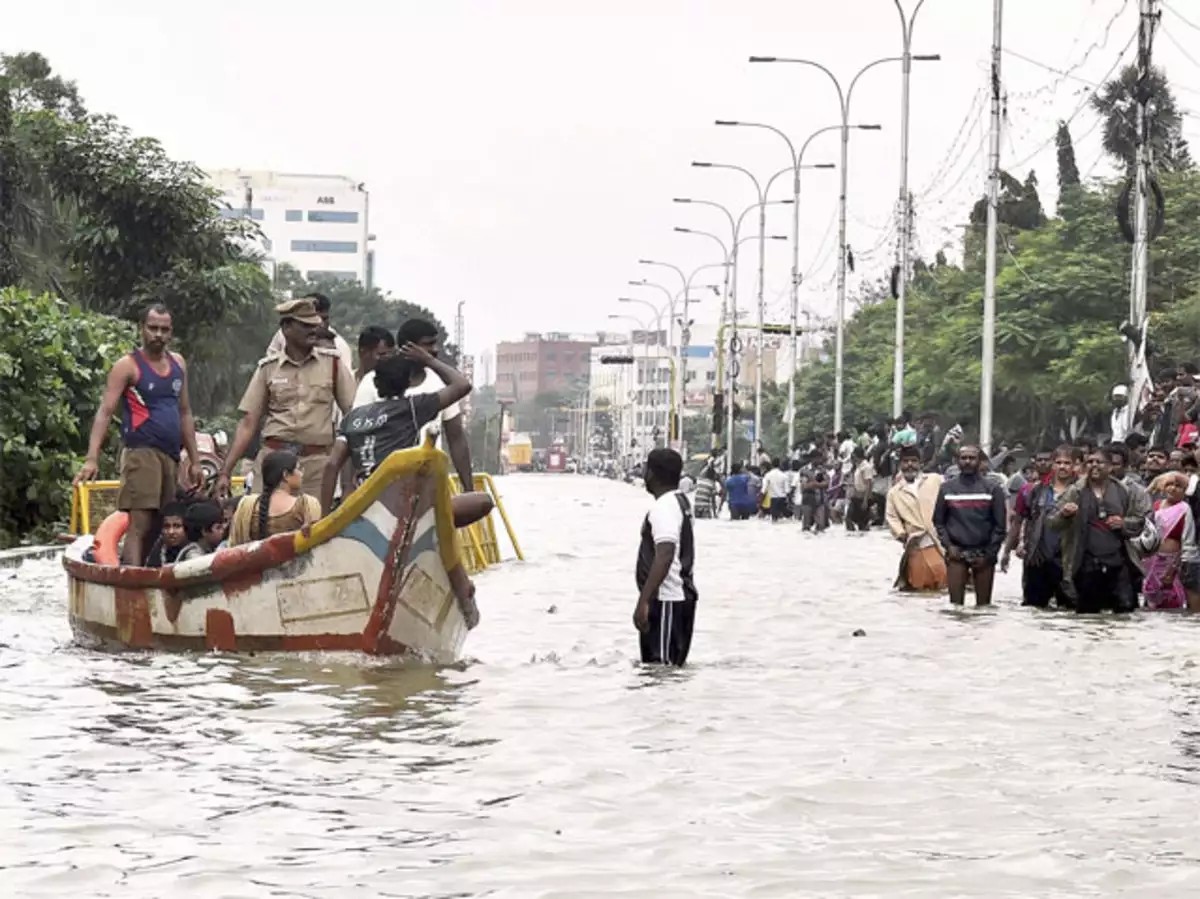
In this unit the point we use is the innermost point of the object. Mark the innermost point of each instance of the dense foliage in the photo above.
(1062, 292)
(53, 362)
(105, 222)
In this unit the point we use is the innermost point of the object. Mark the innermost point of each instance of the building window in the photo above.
(328, 275)
(240, 213)
(293, 215)
(324, 246)
(333, 215)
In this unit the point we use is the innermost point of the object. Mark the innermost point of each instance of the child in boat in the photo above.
(205, 526)
(171, 538)
(280, 507)
(372, 432)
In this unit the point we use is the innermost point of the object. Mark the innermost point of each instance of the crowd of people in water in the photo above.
(1098, 524)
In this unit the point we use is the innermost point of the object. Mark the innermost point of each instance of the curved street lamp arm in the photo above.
(720, 243)
(736, 168)
(863, 71)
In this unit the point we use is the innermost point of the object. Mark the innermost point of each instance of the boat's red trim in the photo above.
(219, 632)
(236, 568)
(133, 617)
(90, 631)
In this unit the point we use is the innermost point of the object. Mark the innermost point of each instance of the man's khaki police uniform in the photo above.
(297, 400)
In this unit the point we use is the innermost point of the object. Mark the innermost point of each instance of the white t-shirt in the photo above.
(368, 393)
(775, 482)
(666, 526)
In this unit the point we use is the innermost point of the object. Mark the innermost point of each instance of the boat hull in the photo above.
(380, 575)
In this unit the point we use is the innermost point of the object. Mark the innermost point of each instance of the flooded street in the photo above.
(1003, 753)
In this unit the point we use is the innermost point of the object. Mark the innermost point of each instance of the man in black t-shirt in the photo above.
(371, 433)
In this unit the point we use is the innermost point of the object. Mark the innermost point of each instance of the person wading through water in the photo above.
(1039, 546)
(1097, 517)
(909, 516)
(150, 384)
(666, 608)
(971, 517)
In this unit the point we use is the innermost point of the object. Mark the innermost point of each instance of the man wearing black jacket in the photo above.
(971, 517)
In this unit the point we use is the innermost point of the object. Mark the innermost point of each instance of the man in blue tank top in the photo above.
(150, 384)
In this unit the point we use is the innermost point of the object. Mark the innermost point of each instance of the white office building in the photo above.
(318, 224)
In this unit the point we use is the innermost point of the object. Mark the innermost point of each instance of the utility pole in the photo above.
(1139, 273)
(993, 199)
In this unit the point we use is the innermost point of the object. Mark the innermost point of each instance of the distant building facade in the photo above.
(318, 224)
(542, 363)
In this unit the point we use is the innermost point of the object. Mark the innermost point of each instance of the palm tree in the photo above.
(1116, 103)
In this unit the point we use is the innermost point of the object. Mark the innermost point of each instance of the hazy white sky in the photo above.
(522, 154)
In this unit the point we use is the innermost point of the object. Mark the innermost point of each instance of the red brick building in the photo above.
(542, 363)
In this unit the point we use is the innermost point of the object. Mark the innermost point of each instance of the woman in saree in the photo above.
(1171, 573)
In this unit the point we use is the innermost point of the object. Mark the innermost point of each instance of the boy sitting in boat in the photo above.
(205, 526)
(172, 537)
(372, 432)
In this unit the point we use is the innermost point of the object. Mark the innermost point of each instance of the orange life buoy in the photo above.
(106, 546)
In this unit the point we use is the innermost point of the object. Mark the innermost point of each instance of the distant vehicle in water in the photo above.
(520, 453)
(556, 458)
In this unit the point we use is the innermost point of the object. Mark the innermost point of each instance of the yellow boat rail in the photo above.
(93, 501)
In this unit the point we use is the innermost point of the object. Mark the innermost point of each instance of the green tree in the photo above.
(1068, 170)
(53, 363)
(354, 307)
(1116, 103)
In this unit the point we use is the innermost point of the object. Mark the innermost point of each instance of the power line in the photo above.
(1068, 73)
(1179, 46)
(1083, 103)
(1180, 16)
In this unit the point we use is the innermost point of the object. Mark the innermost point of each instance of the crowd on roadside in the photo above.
(1097, 523)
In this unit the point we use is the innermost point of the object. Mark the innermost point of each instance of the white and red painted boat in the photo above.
(380, 575)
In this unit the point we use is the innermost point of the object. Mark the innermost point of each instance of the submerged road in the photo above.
(997, 753)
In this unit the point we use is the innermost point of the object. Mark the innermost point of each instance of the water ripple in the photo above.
(944, 753)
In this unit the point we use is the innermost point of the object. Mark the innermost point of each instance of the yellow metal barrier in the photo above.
(86, 516)
(93, 501)
(480, 545)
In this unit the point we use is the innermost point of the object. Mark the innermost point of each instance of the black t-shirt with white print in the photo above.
(376, 430)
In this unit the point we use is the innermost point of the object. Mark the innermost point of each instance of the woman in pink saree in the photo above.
(1177, 554)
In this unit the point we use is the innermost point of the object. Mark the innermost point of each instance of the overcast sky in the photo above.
(522, 154)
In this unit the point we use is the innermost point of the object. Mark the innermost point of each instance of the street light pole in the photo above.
(685, 333)
(683, 280)
(797, 165)
(657, 312)
(906, 27)
(762, 260)
(844, 98)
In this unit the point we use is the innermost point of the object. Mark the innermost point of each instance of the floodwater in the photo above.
(1001, 753)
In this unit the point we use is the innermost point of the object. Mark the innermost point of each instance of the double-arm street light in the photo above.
(735, 225)
(796, 166)
(844, 98)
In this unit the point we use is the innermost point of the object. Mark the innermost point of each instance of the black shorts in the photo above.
(668, 639)
(779, 508)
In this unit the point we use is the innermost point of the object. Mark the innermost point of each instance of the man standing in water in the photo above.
(909, 515)
(1097, 518)
(156, 420)
(1038, 545)
(971, 517)
(666, 606)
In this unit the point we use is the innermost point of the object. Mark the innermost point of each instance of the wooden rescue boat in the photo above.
(381, 575)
